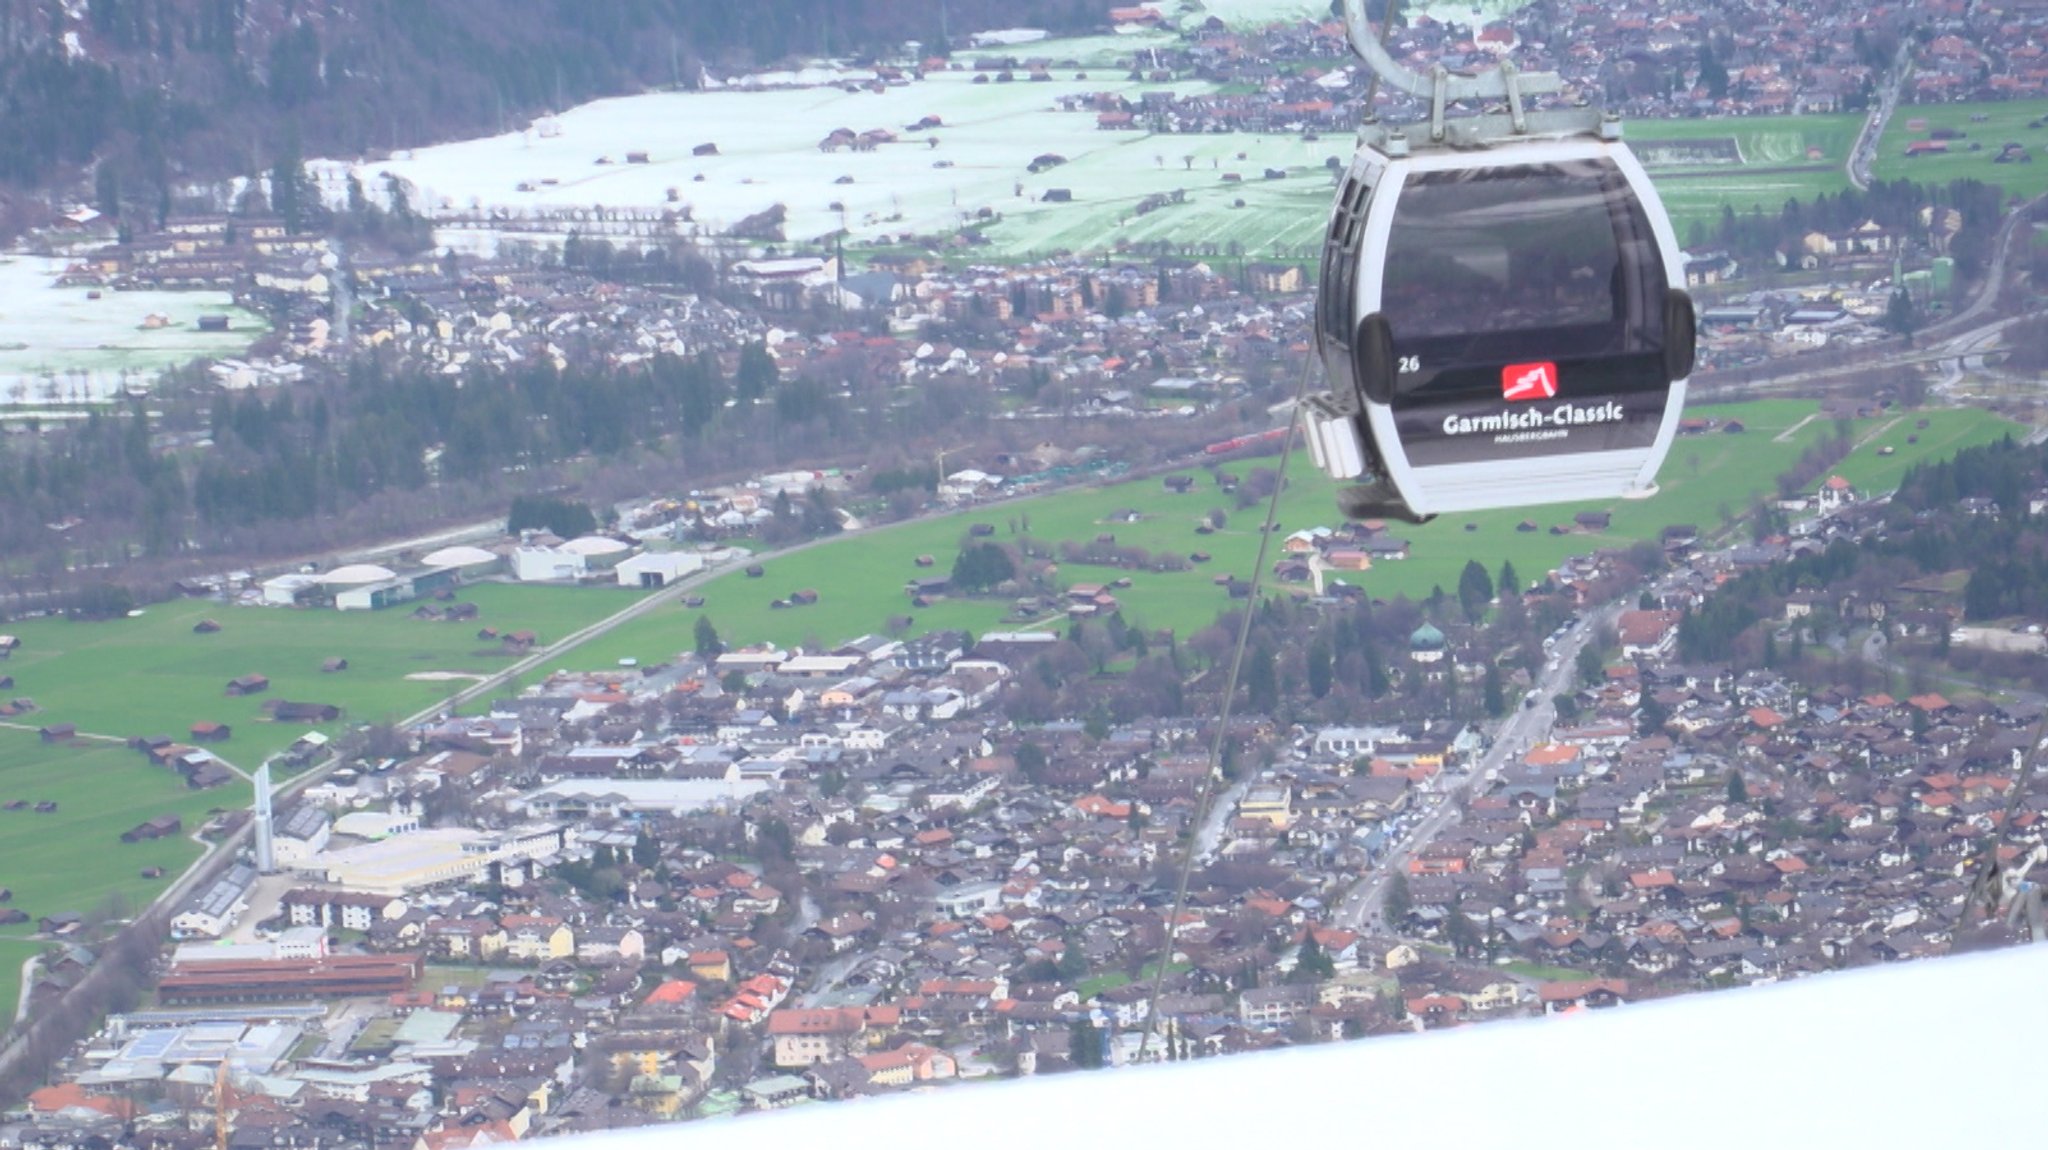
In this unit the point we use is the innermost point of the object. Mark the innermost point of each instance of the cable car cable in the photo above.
(1207, 794)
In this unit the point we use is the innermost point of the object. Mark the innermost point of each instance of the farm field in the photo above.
(1104, 51)
(2004, 122)
(861, 579)
(1780, 158)
(57, 346)
(154, 676)
(1280, 218)
(74, 859)
(976, 172)
(1247, 13)
(1946, 433)
(989, 136)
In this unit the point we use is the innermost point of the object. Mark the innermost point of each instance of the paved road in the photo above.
(1210, 835)
(1527, 725)
(1865, 152)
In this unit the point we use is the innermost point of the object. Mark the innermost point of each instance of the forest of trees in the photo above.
(2004, 548)
(1302, 663)
(326, 448)
(1895, 205)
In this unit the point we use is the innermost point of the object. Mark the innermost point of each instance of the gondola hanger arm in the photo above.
(1441, 86)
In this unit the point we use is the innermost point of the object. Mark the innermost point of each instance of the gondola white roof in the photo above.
(458, 556)
(589, 546)
(357, 574)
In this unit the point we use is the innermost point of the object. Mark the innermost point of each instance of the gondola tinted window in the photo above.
(1540, 261)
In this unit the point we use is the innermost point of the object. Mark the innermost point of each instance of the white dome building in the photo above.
(598, 551)
(356, 575)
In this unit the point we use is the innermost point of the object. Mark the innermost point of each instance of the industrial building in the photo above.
(658, 568)
(615, 798)
(336, 976)
(435, 857)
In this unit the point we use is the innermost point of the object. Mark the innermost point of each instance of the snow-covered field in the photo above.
(1108, 185)
(57, 346)
(1081, 51)
(1469, 13)
(973, 166)
(1254, 13)
(1259, 13)
(768, 154)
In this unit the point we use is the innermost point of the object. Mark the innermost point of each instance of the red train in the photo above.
(1244, 441)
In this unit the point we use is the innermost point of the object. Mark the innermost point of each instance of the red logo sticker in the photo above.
(1528, 381)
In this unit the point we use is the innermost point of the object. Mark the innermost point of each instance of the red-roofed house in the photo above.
(806, 1037)
(1558, 997)
(674, 992)
(1550, 754)
(904, 1065)
(51, 1101)
(1102, 807)
(495, 1132)
(1647, 633)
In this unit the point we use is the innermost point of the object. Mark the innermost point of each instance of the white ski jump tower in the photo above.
(266, 861)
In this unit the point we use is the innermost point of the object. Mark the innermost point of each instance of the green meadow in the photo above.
(73, 859)
(1766, 160)
(861, 580)
(154, 675)
(1973, 155)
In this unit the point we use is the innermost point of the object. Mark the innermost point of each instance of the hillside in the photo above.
(167, 91)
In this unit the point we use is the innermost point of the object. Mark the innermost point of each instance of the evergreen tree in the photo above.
(1475, 591)
(709, 645)
(1713, 74)
(1262, 681)
(1900, 316)
(1590, 666)
(980, 567)
(1312, 963)
(1030, 761)
(1651, 715)
(757, 372)
(1072, 965)
(293, 195)
(1398, 900)
(107, 190)
(646, 850)
(1084, 1043)
(1319, 666)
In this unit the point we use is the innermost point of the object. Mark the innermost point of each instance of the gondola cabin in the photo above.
(1501, 327)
